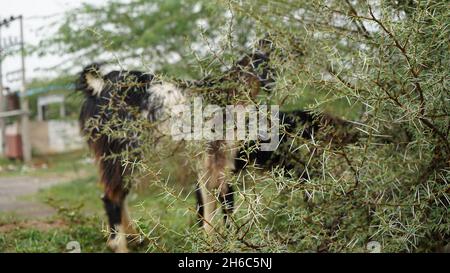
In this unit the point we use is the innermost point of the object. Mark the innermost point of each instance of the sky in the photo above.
(37, 13)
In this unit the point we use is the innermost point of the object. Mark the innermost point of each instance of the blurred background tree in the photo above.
(390, 59)
(168, 36)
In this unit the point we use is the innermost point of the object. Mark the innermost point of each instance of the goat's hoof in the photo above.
(118, 245)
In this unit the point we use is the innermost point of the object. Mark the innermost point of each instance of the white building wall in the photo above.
(64, 136)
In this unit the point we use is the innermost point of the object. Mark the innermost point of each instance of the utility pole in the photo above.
(24, 112)
(26, 145)
(2, 99)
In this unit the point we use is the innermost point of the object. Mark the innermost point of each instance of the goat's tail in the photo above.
(91, 80)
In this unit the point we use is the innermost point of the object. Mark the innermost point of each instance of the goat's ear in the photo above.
(91, 81)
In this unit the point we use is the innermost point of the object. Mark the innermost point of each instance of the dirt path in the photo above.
(13, 188)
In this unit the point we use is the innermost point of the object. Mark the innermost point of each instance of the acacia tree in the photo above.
(389, 63)
(385, 62)
(393, 61)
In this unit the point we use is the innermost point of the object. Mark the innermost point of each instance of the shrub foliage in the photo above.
(381, 64)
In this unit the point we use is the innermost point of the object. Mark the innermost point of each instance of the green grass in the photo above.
(80, 210)
(50, 235)
(52, 240)
(51, 165)
(83, 193)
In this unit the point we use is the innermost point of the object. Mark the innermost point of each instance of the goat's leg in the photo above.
(226, 198)
(120, 224)
(126, 221)
(134, 237)
(114, 208)
(212, 183)
(209, 209)
(199, 197)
